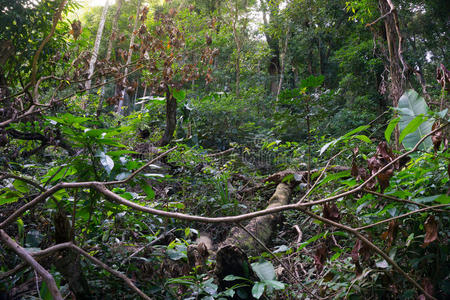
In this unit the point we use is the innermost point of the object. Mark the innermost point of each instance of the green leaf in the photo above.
(444, 199)
(179, 95)
(106, 162)
(258, 289)
(390, 128)
(120, 152)
(412, 127)
(234, 277)
(21, 186)
(9, 197)
(275, 284)
(410, 106)
(264, 270)
(356, 130)
(334, 176)
(363, 138)
(327, 145)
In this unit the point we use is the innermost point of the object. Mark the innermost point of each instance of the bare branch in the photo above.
(46, 276)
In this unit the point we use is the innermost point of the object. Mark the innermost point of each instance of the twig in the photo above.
(395, 198)
(56, 18)
(372, 246)
(162, 236)
(46, 276)
(278, 260)
(318, 178)
(72, 246)
(402, 216)
(221, 153)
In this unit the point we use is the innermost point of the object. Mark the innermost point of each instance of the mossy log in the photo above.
(262, 227)
(232, 255)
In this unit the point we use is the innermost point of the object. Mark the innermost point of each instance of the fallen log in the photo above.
(232, 258)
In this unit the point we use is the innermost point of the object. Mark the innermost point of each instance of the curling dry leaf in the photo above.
(320, 256)
(360, 250)
(76, 29)
(443, 77)
(431, 230)
(437, 137)
(331, 212)
(391, 233)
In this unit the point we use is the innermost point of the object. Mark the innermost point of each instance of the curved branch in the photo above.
(46, 276)
(372, 246)
(56, 18)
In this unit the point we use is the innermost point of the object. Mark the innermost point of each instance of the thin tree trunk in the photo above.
(108, 52)
(171, 118)
(282, 60)
(98, 39)
(238, 49)
(130, 53)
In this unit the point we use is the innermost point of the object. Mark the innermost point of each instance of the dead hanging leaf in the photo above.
(360, 250)
(443, 77)
(331, 212)
(76, 29)
(391, 233)
(436, 137)
(431, 231)
(382, 157)
(208, 39)
(320, 256)
(144, 13)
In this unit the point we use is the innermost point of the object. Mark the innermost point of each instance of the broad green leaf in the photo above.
(264, 270)
(275, 284)
(390, 128)
(443, 199)
(412, 127)
(258, 289)
(106, 162)
(179, 95)
(21, 186)
(9, 197)
(410, 106)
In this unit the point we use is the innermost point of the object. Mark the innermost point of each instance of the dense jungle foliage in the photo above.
(238, 149)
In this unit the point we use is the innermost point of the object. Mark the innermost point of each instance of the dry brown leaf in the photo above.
(431, 231)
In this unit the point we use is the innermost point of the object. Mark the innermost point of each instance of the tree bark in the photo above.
(232, 259)
(397, 66)
(68, 261)
(130, 53)
(98, 39)
(171, 118)
(108, 52)
(274, 64)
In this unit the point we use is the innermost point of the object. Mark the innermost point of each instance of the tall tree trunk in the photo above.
(108, 52)
(171, 118)
(130, 53)
(282, 60)
(397, 67)
(98, 39)
(274, 64)
(237, 41)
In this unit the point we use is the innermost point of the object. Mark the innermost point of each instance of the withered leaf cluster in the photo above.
(380, 160)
